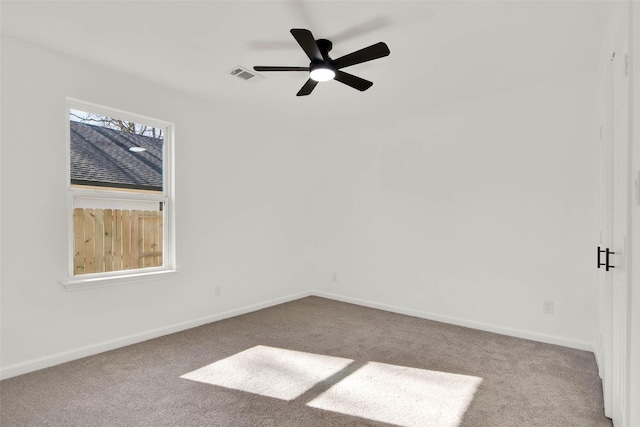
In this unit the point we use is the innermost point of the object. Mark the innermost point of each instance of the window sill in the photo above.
(101, 282)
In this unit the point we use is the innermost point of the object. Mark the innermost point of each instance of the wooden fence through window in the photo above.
(114, 240)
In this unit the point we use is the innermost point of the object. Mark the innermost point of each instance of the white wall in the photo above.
(475, 212)
(241, 213)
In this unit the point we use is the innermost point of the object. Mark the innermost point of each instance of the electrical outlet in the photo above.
(547, 307)
(218, 291)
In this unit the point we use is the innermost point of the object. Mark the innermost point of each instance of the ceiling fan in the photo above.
(322, 68)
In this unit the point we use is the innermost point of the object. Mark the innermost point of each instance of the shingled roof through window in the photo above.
(101, 157)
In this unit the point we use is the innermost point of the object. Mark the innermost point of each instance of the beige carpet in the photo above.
(316, 362)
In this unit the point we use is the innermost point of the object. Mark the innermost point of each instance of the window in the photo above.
(120, 196)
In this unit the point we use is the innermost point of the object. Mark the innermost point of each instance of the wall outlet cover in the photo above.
(547, 307)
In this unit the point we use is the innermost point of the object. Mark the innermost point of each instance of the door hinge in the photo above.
(626, 65)
(637, 185)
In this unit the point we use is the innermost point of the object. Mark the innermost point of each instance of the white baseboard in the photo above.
(518, 333)
(89, 350)
(597, 353)
(80, 352)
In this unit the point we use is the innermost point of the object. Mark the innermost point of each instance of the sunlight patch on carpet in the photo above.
(268, 371)
(401, 395)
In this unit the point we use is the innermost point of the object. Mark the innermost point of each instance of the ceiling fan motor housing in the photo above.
(325, 47)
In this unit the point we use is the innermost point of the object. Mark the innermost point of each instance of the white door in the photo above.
(619, 229)
(613, 340)
(605, 293)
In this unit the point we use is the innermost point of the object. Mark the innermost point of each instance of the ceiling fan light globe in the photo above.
(322, 74)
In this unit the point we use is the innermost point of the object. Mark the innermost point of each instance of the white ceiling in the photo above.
(441, 52)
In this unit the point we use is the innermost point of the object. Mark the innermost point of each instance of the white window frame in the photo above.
(95, 280)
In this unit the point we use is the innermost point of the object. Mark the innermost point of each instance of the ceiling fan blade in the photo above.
(307, 43)
(370, 53)
(276, 68)
(307, 88)
(353, 81)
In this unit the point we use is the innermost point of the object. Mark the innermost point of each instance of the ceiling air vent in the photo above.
(244, 74)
